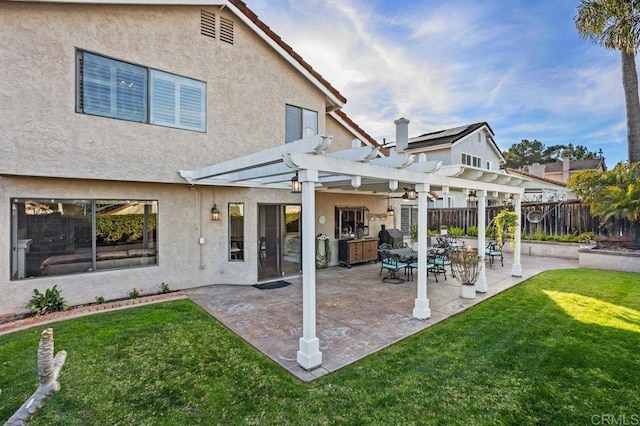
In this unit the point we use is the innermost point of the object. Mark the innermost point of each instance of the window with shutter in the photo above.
(116, 89)
(177, 101)
(113, 88)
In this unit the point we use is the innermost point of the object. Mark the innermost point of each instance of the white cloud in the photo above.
(446, 63)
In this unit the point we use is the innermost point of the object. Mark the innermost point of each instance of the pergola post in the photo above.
(421, 309)
(481, 283)
(309, 355)
(516, 268)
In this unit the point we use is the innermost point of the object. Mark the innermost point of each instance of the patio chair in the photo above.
(430, 268)
(493, 250)
(440, 258)
(392, 263)
(454, 243)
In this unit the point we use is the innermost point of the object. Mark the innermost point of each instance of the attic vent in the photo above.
(207, 24)
(226, 30)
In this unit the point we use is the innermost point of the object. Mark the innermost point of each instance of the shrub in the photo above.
(100, 300)
(538, 236)
(433, 232)
(458, 232)
(49, 301)
(134, 294)
(164, 288)
(472, 231)
(586, 237)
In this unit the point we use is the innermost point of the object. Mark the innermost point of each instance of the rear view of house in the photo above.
(103, 105)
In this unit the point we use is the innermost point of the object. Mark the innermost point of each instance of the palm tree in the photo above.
(615, 24)
(612, 193)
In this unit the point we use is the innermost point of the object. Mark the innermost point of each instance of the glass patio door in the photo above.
(279, 244)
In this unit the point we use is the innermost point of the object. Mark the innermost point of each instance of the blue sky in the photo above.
(517, 64)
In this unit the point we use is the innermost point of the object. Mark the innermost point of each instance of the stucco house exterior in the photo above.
(103, 104)
(160, 142)
(471, 144)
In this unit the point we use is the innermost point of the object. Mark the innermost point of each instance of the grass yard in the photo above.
(561, 348)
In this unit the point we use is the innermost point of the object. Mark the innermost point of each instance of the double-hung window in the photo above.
(117, 89)
(300, 123)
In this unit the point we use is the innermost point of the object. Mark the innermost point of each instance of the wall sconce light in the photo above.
(215, 213)
(472, 197)
(296, 185)
(510, 199)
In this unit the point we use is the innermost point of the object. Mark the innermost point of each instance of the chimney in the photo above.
(566, 165)
(537, 169)
(402, 134)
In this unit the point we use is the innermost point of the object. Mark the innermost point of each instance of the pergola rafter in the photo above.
(364, 169)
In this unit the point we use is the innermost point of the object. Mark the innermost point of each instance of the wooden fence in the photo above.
(556, 218)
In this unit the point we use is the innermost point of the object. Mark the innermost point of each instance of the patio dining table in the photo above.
(405, 255)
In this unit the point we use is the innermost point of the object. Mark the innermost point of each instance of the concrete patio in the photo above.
(357, 313)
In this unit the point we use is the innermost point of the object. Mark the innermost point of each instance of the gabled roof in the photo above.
(574, 165)
(536, 178)
(446, 136)
(346, 121)
(242, 7)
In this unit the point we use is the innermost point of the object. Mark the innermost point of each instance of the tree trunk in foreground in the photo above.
(48, 370)
(632, 103)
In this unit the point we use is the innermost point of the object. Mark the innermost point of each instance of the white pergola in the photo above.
(360, 168)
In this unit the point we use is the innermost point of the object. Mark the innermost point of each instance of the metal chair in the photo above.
(392, 263)
(440, 258)
(493, 250)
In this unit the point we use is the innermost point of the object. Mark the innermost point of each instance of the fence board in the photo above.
(558, 218)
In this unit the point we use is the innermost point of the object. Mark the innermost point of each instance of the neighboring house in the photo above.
(562, 170)
(102, 105)
(542, 189)
(472, 145)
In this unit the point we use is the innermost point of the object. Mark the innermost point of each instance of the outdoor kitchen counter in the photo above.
(357, 251)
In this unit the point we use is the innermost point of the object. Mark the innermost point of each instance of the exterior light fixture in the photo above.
(215, 213)
(390, 211)
(296, 185)
(405, 196)
(472, 197)
(510, 199)
(412, 193)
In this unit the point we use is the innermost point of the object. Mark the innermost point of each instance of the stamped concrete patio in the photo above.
(357, 313)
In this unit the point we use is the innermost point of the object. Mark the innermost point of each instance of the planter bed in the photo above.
(539, 248)
(612, 260)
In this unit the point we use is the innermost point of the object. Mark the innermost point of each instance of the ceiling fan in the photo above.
(409, 194)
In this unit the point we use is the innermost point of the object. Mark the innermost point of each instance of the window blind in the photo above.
(293, 123)
(178, 101)
(114, 89)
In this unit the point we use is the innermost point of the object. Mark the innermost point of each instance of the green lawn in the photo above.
(561, 348)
